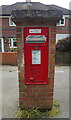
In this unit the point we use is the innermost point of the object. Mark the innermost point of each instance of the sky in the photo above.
(61, 3)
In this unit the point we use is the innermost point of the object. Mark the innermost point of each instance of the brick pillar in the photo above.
(36, 95)
(40, 96)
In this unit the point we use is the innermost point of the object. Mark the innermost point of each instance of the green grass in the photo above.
(35, 113)
(56, 103)
(53, 113)
(29, 113)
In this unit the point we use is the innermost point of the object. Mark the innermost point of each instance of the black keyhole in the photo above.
(36, 47)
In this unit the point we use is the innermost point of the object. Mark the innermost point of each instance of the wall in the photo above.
(6, 32)
(8, 58)
(63, 31)
(10, 31)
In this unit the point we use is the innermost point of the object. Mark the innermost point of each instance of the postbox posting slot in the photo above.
(35, 39)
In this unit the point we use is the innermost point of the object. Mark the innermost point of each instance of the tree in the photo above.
(64, 45)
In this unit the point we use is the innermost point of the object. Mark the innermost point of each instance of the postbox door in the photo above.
(36, 54)
(36, 67)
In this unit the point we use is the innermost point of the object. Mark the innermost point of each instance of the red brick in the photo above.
(31, 103)
(51, 85)
(23, 98)
(51, 71)
(52, 52)
(52, 62)
(51, 76)
(31, 86)
(53, 35)
(46, 90)
(36, 90)
(46, 99)
(25, 90)
(53, 29)
(49, 90)
(21, 81)
(19, 35)
(30, 94)
(9, 58)
(41, 86)
(50, 94)
(51, 80)
(22, 94)
(52, 66)
(42, 94)
(19, 29)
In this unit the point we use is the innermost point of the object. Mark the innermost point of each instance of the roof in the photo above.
(55, 7)
(7, 9)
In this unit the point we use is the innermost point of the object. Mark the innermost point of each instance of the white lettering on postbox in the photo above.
(34, 30)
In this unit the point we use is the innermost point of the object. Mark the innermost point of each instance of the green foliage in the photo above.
(13, 49)
(35, 113)
(55, 109)
(64, 45)
(54, 112)
(56, 103)
(29, 113)
(63, 58)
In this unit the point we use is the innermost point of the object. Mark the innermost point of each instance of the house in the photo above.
(8, 40)
(63, 26)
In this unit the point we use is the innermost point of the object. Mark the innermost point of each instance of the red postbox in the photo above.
(36, 54)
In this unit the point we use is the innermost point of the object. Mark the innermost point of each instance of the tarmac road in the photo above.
(9, 83)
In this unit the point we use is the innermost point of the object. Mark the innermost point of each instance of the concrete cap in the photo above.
(37, 10)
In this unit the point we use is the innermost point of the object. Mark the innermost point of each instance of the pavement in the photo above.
(61, 90)
(9, 90)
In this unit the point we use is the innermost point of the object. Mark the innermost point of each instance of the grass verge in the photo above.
(35, 113)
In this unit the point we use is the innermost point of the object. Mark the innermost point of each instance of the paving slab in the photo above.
(61, 90)
(9, 91)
